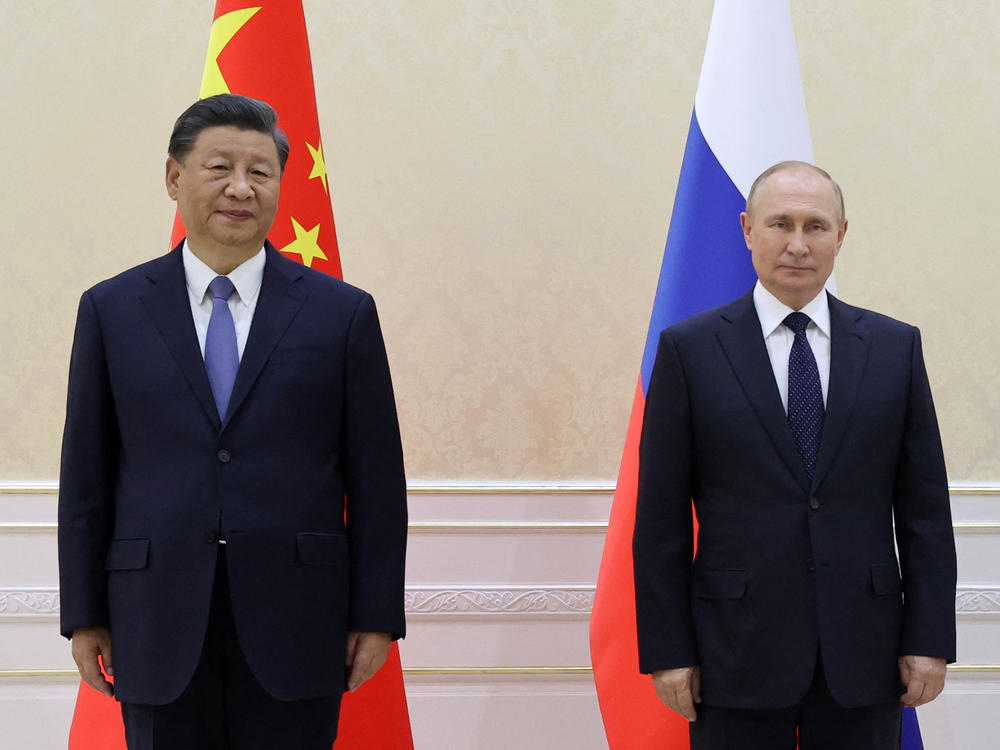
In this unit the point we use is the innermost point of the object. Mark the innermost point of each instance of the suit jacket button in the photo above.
(210, 537)
(224, 456)
(814, 503)
(810, 565)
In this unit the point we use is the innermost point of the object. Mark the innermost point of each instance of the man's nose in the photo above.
(239, 185)
(797, 243)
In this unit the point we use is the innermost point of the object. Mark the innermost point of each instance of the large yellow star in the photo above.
(305, 244)
(319, 164)
(224, 28)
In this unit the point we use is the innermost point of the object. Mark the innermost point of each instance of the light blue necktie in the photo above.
(222, 358)
(805, 394)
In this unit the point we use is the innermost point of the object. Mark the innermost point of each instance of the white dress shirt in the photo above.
(246, 277)
(778, 337)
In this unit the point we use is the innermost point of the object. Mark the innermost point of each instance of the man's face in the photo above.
(227, 190)
(794, 234)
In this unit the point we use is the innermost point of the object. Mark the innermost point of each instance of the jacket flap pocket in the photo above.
(321, 549)
(127, 554)
(719, 584)
(885, 579)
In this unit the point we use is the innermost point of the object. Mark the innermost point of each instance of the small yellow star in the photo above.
(305, 244)
(319, 164)
(224, 28)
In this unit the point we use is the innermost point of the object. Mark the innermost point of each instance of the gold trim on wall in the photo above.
(433, 526)
(29, 487)
(974, 526)
(974, 489)
(472, 671)
(29, 526)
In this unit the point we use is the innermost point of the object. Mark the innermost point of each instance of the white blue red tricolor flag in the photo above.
(749, 113)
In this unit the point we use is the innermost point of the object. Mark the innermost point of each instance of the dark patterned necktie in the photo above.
(805, 395)
(222, 358)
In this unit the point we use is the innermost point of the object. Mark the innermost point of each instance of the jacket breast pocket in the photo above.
(127, 554)
(719, 584)
(315, 548)
(885, 580)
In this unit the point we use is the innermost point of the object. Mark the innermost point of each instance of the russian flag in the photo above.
(749, 113)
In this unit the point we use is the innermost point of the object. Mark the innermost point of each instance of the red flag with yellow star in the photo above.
(261, 49)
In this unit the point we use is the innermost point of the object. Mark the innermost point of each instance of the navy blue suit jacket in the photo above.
(151, 476)
(787, 567)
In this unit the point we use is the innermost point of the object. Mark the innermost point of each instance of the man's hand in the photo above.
(923, 677)
(87, 645)
(366, 653)
(680, 689)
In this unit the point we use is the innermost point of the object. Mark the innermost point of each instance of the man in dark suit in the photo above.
(224, 404)
(803, 429)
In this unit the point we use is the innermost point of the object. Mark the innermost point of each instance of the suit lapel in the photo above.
(167, 301)
(848, 356)
(279, 301)
(743, 342)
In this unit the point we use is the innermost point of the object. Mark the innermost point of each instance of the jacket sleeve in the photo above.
(663, 543)
(376, 484)
(87, 475)
(924, 532)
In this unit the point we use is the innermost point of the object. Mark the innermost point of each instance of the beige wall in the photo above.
(503, 175)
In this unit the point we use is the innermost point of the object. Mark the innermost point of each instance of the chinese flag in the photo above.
(261, 49)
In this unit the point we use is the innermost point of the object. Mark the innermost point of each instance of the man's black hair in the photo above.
(226, 109)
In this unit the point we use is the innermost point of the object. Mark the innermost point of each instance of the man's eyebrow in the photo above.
(786, 217)
(228, 153)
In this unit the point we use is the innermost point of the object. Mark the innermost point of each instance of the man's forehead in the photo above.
(229, 138)
(794, 185)
(797, 177)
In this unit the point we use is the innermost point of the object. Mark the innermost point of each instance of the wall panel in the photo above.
(499, 589)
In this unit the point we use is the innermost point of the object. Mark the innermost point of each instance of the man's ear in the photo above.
(840, 236)
(173, 176)
(745, 224)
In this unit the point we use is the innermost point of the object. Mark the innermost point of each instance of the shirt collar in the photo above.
(246, 277)
(772, 312)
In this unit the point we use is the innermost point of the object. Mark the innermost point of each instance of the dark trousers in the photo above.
(224, 707)
(817, 722)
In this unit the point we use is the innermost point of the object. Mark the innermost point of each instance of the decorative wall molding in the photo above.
(978, 600)
(506, 600)
(451, 527)
(42, 602)
(561, 601)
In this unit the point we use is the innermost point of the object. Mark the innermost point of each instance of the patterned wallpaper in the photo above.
(502, 175)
